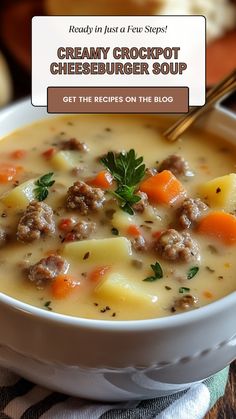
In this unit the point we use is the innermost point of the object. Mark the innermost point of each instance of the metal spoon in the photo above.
(218, 91)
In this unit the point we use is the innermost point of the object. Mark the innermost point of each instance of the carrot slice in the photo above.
(102, 180)
(8, 172)
(65, 224)
(49, 153)
(98, 273)
(156, 234)
(18, 154)
(163, 188)
(207, 294)
(62, 286)
(133, 230)
(220, 225)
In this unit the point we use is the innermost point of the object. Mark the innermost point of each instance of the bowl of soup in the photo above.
(117, 251)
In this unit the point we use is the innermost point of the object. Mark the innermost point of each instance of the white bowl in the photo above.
(121, 360)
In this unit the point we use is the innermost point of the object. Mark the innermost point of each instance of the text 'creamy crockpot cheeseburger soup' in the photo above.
(102, 218)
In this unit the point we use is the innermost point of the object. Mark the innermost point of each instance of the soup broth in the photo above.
(76, 251)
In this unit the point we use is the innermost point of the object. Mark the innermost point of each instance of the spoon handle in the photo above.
(226, 85)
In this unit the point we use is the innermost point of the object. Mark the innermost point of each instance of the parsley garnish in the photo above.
(183, 289)
(127, 170)
(43, 183)
(158, 273)
(192, 272)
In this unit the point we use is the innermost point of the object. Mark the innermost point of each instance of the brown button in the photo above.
(117, 99)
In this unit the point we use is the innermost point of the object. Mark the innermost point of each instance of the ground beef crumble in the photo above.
(174, 246)
(190, 211)
(142, 204)
(73, 144)
(47, 269)
(176, 164)
(84, 198)
(36, 221)
(186, 302)
(139, 244)
(80, 231)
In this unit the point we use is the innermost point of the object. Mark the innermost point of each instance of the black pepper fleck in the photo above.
(212, 249)
(62, 239)
(48, 305)
(115, 231)
(86, 255)
(103, 310)
(210, 269)
(28, 255)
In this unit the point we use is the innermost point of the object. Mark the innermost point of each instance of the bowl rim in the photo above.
(166, 322)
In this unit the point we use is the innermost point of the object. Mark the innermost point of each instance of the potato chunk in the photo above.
(100, 251)
(118, 288)
(20, 196)
(220, 192)
(65, 160)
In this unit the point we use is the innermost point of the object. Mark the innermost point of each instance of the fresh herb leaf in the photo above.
(43, 183)
(41, 193)
(183, 289)
(158, 273)
(48, 305)
(192, 272)
(45, 180)
(115, 231)
(125, 167)
(157, 269)
(128, 170)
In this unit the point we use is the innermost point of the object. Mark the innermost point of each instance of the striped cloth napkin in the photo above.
(21, 399)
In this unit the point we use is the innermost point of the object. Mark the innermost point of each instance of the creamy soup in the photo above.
(92, 229)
